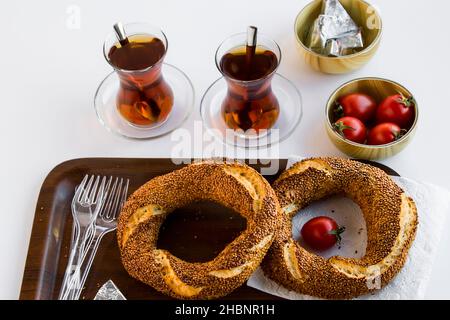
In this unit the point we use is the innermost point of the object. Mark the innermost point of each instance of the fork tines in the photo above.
(114, 198)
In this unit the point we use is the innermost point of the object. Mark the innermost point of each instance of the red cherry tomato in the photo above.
(352, 129)
(357, 105)
(384, 133)
(397, 109)
(321, 233)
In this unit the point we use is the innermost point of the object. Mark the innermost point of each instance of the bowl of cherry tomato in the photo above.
(371, 118)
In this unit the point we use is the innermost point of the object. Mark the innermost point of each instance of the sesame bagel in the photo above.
(235, 186)
(391, 220)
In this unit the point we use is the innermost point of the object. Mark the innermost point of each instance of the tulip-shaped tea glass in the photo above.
(251, 105)
(143, 97)
(250, 102)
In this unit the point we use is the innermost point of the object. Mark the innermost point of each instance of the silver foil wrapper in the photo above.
(109, 291)
(334, 33)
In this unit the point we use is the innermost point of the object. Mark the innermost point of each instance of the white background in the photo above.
(49, 73)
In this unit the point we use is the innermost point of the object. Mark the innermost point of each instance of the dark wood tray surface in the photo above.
(189, 233)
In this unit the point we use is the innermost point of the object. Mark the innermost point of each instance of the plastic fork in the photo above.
(106, 222)
(86, 205)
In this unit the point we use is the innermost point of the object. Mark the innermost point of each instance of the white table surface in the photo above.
(49, 72)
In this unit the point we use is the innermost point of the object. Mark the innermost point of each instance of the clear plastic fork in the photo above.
(106, 222)
(86, 205)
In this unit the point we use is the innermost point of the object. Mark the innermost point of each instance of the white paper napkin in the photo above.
(433, 205)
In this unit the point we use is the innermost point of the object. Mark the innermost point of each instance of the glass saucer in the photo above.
(109, 116)
(290, 101)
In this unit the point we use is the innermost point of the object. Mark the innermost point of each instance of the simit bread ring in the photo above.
(236, 186)
(391, 219)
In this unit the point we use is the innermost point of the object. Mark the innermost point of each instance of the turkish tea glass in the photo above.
(144, 98)
(249, 104)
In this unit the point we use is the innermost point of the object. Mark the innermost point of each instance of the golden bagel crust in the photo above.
(236, 186)
(391, 219)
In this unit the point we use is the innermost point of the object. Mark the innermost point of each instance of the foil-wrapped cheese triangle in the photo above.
(109, 291)
(334, 33)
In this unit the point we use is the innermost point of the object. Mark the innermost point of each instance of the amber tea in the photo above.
(249, 63)
(144, 97)
(250, 102)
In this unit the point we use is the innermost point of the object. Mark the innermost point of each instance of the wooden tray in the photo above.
(189, 233)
